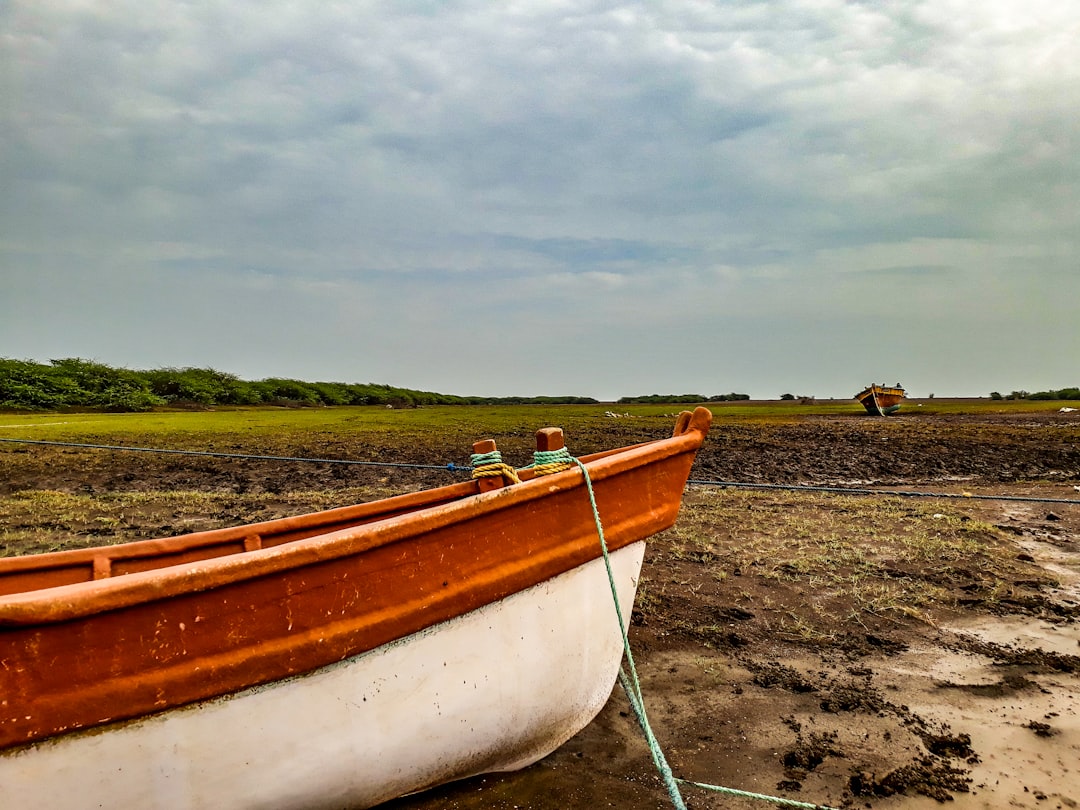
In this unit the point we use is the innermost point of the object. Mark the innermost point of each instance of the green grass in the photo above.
(486, 419)
(262, 420)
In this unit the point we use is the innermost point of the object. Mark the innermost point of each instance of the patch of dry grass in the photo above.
(834, 560)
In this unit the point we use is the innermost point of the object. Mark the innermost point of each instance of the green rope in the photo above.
(491, 464)
(745, 794)
(634, 693)
(484, 459)
(548, 462)
(631, 684)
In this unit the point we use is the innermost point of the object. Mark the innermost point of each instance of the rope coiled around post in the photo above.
(549, 462)
(491, 464)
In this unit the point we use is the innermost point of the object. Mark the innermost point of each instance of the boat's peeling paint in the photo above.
(881, 400)
(179, 637)
(519, 677)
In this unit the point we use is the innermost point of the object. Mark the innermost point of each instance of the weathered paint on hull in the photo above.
(496, 689)
(98, 642)
(881, 401)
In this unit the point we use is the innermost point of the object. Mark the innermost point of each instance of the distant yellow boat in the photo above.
(881, 400)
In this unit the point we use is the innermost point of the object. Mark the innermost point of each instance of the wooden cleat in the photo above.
(549, 439)
(488, 482)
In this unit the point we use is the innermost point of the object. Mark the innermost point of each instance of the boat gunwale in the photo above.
(71, 601)
(887, 390)
(138, 549)
(368, 511)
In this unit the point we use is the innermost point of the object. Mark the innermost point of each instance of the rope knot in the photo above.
(548, 462)
(491, 464)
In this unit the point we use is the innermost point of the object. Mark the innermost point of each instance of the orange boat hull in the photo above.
(94, 637)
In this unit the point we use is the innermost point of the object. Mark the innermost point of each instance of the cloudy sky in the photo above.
(592, 198)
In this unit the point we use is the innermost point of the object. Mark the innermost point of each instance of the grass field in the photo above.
(493, 419)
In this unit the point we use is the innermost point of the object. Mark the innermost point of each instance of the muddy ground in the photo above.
(897, 680)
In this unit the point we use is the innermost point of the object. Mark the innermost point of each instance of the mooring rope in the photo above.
(485, 465)
(900, 493)
(549, 462)
(631, 684)
(561, 460)
(451, 466)
(634, 692)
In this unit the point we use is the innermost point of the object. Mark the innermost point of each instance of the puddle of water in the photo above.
(1022, 763)
(1018, 764)
(942, 666)
(1064, 564)
(1028, 740)
(1020, 631)
(1024, 632)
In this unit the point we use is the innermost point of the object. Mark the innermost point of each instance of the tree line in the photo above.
(74, 383)
(681, 398)
(1061, 393)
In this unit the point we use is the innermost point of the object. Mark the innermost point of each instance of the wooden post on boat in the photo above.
(488, 482)
(549, 439)
(551, 454)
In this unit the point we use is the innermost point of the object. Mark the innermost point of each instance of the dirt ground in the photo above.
(884, 680)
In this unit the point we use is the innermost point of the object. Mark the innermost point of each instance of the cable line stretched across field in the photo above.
(452, 467)
(900, 493)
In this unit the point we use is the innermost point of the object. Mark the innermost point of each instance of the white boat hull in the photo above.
(494, 690)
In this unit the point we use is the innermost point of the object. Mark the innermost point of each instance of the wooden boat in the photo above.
(337, 659)
(881, 400)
